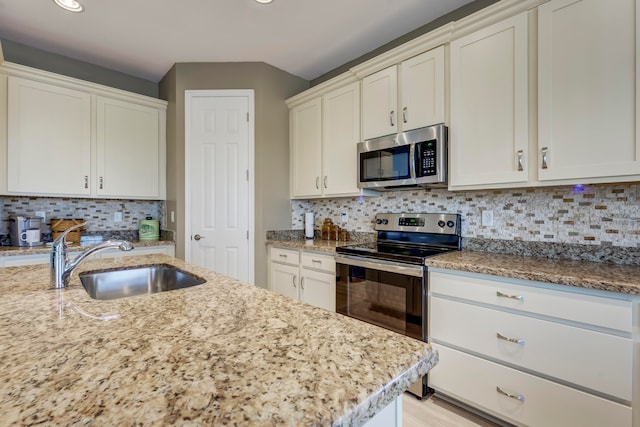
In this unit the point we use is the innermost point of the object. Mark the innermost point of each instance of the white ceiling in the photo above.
(145, 38)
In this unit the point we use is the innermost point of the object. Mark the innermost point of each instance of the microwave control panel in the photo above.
(426, 155)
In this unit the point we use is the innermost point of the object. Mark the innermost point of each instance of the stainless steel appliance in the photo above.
(408, 159)
(385, 282)
(19, 226)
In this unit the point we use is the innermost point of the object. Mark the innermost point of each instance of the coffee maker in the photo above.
(22, 231)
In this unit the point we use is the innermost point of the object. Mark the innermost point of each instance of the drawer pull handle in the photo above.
(518, 297)
(282, 256)
(517, 397)
(318, 261)
(513, 340)
(302, 283)
(520, 166)
(294, 281)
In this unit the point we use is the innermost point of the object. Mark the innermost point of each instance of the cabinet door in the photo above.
(284, 279)
(380, 103)
(49, 139)
(423, 90)
(128, 150)
(588, 104)
(318, 289)
(489, 131)
(340, 137)
(306, 149)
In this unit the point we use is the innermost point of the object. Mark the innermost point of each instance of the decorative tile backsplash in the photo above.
(99, 213)
(591, 215)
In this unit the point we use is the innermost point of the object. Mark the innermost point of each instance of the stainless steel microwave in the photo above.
(408, 159)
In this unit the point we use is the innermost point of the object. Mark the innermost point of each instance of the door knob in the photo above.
(198, 237)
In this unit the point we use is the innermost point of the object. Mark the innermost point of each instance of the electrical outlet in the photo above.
(117, 217)
(487, 217)
(173, 216)
(344, 217)
(43, 215)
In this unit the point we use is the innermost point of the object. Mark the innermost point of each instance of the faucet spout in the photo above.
(61, 268)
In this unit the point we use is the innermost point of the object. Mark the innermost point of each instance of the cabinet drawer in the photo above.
(593, 310)
(318, 262)
(285, 256)
(590, 359)
(475, 381)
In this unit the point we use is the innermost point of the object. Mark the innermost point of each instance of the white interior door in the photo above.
(219, 197)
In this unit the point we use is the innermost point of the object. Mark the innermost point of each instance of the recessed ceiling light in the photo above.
(70, 5)
(264, 1)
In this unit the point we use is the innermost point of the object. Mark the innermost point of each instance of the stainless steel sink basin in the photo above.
(122, 283)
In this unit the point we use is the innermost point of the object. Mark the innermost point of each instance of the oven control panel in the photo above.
(419, 223)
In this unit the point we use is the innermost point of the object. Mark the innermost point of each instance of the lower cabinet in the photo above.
(18, 260)
(534, 354)
(307, 276)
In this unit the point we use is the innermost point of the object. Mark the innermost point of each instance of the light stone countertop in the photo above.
(582, 274)
(73, 247)
(221, 353)
(312, 244)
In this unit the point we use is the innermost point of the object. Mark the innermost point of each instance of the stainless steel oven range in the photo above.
(385, 282)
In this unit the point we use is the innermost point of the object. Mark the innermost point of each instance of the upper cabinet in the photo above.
(129, 160)
(587, 95)
(49, 135)
(325, 131)
(66, 137)
(416, 99)
(489, 105)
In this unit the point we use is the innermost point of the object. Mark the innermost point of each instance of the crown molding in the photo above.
(23, 71)
(337, 82)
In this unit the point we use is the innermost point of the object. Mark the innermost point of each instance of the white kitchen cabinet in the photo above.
(325, 132)
(303, 275)
(587, 96)
(417, 99)
(67, 137)
(380, 103)
(129, 150)
(533, 354)
(49, 139)
(489, 105)
(306, 148)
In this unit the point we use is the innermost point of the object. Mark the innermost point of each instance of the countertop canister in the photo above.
(149, 229)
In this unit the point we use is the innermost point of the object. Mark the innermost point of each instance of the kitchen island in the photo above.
(220, 353)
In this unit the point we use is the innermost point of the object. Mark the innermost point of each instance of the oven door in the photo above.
(383, 293)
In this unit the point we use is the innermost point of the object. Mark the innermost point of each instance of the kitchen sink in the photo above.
(122, 283)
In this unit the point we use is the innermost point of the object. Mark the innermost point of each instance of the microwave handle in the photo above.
(390, 267)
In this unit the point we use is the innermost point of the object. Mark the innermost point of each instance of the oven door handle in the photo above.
(390, 267)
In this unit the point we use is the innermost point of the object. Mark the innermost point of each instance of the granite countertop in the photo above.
(73, 247)
(220, 353)
(311, 244)
(582, 274)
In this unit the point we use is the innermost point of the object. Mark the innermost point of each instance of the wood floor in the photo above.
(432, 411)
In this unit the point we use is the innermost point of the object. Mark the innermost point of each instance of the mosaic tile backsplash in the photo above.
(606, 215)
(99, 213)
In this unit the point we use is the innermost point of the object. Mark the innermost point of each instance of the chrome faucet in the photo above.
(61, 267)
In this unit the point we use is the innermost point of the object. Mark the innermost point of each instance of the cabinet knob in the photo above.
(317, 182)
(520, 166)
(294, 280)
(302, 283)
(325, 181)
(518, 397)
(545, 160)
(513, 340)
(501, 295)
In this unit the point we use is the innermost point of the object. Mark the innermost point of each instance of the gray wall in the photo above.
(30, 56)
(271, 86)
(457, 14)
